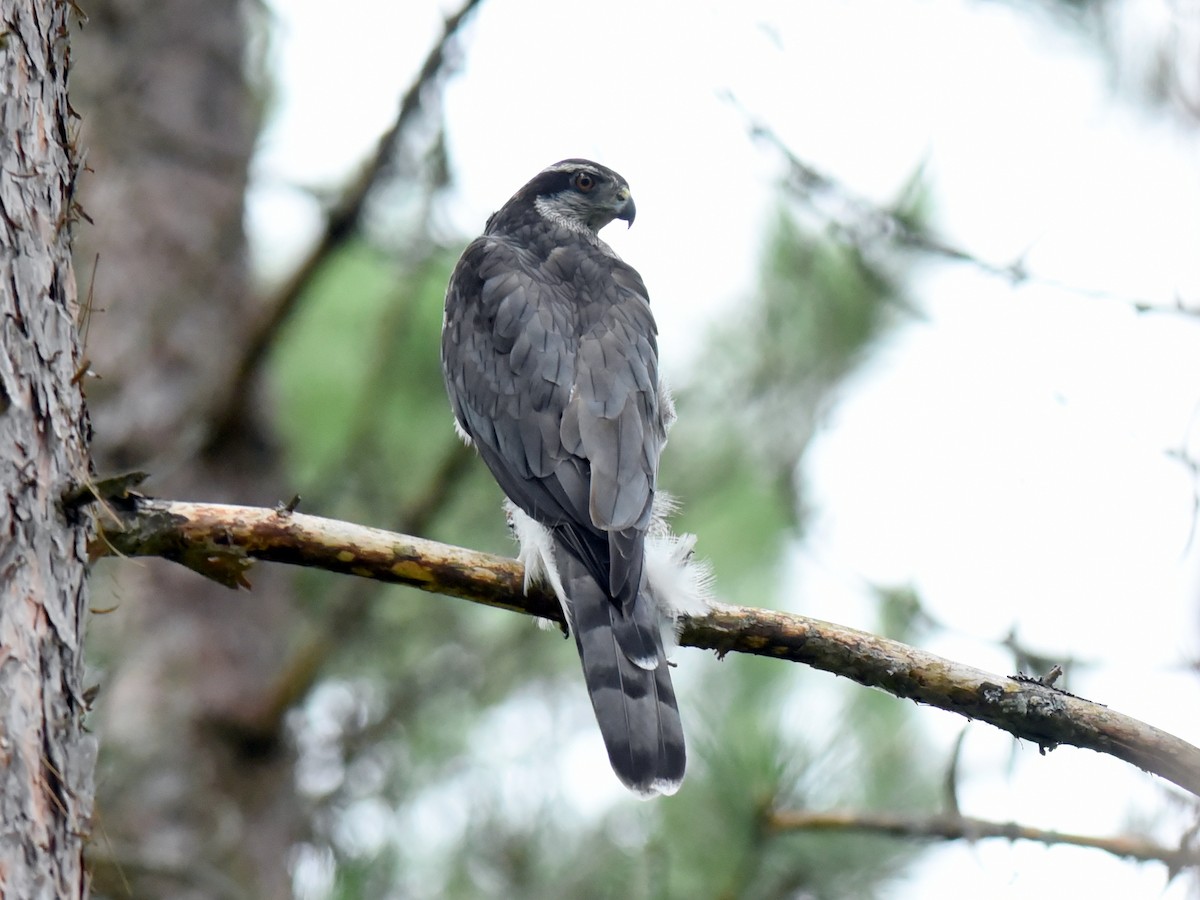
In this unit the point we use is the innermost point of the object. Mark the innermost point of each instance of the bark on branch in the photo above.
(221, 542)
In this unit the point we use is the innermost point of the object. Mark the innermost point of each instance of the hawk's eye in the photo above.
(583, 182)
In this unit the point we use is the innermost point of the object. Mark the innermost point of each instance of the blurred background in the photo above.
(927, 283)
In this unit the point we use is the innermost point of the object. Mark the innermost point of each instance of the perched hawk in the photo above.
(550, 356)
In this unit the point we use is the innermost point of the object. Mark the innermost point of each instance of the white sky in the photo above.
(1007, 454)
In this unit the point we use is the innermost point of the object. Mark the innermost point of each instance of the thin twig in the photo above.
(858, 221)
(955, 827)
(341, 224)
(221, 542)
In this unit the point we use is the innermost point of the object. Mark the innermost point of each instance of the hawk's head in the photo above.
(580, 194)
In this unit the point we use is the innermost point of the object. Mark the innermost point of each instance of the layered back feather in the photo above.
(550, 356)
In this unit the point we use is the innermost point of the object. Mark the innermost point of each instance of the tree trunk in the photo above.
(46, 761)
(196, 790)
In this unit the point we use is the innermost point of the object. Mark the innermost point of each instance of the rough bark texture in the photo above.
(220, 541)
(196, 790)
(46, 761)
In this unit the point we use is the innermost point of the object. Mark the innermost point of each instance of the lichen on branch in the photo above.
(221, 542)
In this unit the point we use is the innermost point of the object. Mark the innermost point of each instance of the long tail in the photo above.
(635, 706)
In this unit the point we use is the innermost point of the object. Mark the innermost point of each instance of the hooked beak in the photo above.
(627, 210)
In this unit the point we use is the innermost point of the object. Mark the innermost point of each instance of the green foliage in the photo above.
(756, 756)
(362, 404)
(737, 508)
(319, 364)
(819, 310)
(771, 371)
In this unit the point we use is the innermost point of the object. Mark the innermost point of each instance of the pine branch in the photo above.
(862, 223)
(221, 542)
(956, 827)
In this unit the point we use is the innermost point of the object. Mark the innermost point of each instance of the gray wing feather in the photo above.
(560, 396)
(552, 369)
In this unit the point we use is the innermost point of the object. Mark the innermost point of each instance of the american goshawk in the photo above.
(550, 356)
